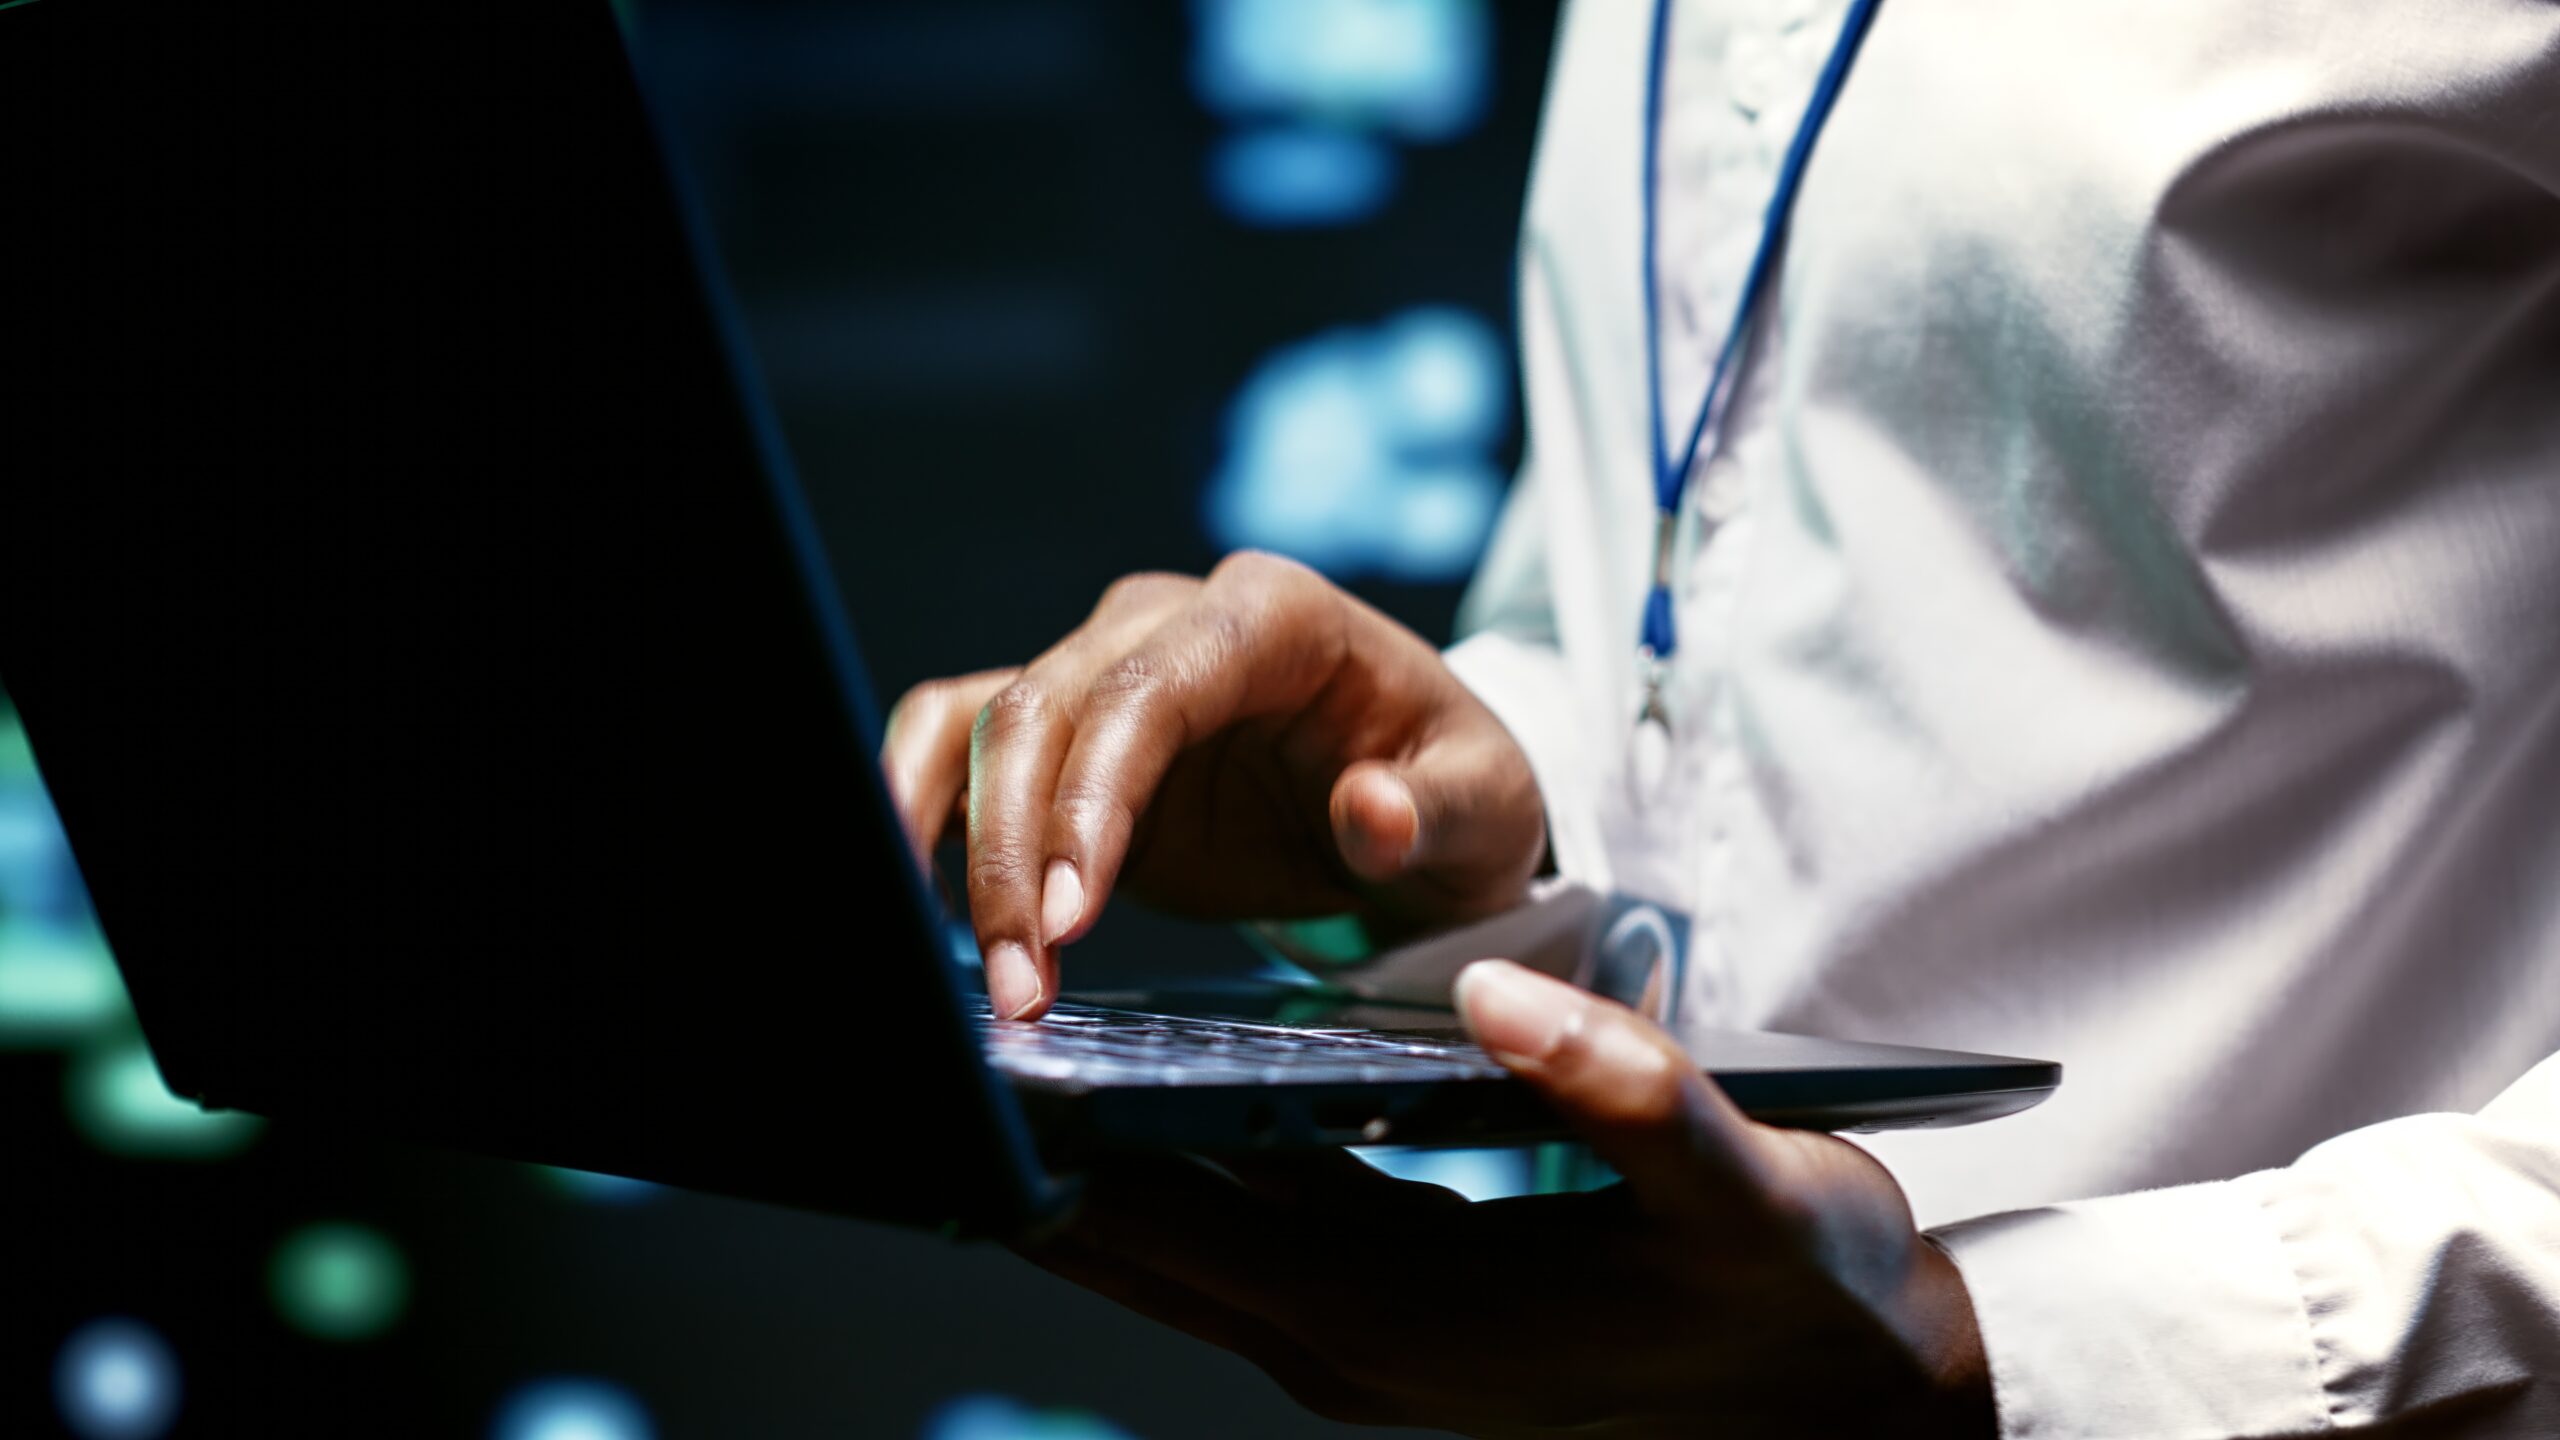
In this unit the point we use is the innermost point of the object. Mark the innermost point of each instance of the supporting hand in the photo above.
(1742, 1281)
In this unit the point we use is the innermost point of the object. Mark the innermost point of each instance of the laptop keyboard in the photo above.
(1087, 1046)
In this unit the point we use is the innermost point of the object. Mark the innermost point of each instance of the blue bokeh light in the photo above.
(572, 1409)
(1292, 175)
(1417, 69)
(993, 1417)
(116, 1379)
(1444, 373)
(1370, 452)
(1326, 89)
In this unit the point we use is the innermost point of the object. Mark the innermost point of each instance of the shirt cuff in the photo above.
(2165, 1315)
(1530, 691)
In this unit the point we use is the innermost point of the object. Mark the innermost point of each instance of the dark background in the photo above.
(1006, 319)
(999, 309)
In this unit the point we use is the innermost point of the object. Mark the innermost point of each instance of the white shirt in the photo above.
(2122, 628)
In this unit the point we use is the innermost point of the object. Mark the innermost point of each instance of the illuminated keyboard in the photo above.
(1081, 1046)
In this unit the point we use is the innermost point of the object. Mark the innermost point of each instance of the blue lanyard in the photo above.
(1670, 472)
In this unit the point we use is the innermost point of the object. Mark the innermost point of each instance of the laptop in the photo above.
(444, 690)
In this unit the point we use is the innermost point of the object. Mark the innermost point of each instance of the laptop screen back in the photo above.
(408, 631)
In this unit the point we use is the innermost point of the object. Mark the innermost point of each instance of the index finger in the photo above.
(1262, 638)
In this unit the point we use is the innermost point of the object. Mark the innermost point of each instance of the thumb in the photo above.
(1626, 1087)
(1377, 821)
(1465, 812)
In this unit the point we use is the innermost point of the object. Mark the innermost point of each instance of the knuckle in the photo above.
(1232, 628)
(1130, 682)
(1091, 808)
(1139, 589)
(1019, 706)
(1259, 574)
(997, 868)
(1258, 602)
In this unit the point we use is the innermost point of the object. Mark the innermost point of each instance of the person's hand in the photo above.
(1258, 745)
(1741, 1281)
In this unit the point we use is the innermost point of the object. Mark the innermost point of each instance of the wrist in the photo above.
(1948, 1343)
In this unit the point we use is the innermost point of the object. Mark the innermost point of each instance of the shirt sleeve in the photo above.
(2400, 1279)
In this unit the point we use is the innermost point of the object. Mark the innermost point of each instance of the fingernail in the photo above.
(1061, 900)
(1516, 1011)
(1378, 846)
(1403, 846)
(1013, 982)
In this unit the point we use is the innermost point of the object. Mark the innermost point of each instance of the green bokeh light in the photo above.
(339, 1281)
(119, 1104)
(57, 983)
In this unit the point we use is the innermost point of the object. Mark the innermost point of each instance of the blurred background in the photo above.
(1044, 292)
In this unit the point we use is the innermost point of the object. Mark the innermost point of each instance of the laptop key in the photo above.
(1089, 1044)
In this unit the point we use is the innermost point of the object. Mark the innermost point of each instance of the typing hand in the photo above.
(1258, 744)
(1742, 1281)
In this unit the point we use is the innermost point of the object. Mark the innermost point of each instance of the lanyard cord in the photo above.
(1670, 473)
